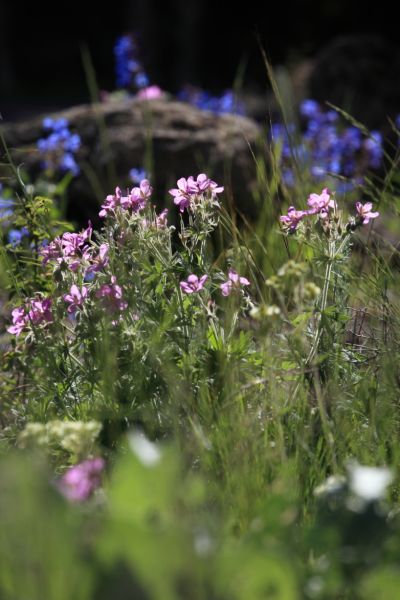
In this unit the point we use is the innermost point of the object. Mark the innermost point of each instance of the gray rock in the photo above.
(177, 139)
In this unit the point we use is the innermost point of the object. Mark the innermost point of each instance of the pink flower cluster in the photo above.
(234, 282)
(80, 481)
(191, 191)
(321, 204)
(111, 295)
(38, 313)
(135, 200)
(73, 251)
(160, 221)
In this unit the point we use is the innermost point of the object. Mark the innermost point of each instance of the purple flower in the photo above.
(100, 261)
(69, 249)
(76, 298)
(191, 191)
(111, 202)
(364, 212)
(162, 219)
(234, 282)
(111, 295)
(38, 313)
(321, 203)
(186, 188)
(293, 218)
(19, 321)
(193, 284)
(80, 481)
(139, 196)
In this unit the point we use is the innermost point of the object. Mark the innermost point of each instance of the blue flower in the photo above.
(59, 147)
(15, 236)
(137, 175)
(129, 70)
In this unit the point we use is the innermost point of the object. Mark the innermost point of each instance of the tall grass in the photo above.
(256, 407)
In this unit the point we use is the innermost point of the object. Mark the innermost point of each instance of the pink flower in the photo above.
(162, 219)
(364, 212)
(52, 251)
(204, 183)
(234, 282)
(111, 202)
(80, 481)
(100, 261)
(139, 195)
(320, 204)
(69, 249)
(111, 295)
(293, 218)
(38, 313)
(76, 298)
(152, 92)
(186, 188)
(191, 191)
(193, 284)
(19, 321)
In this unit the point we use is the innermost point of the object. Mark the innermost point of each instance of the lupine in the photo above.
(326, 146)
(76, 298)
(59, 148)
(15, 236)
(226, 103)
(364, 212)
(130, 72)
(234, 282)
(136, 175)
(80, 481)
(193, 284)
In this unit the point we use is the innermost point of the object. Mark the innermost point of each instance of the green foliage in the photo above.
(258, 405)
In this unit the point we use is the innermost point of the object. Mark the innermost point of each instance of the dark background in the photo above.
(184, 41)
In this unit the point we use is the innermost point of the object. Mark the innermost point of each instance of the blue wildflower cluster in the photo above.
(59, 147)
(226, 103)
(129, 70)
(137, 175)
(7, 206)
(326, 147)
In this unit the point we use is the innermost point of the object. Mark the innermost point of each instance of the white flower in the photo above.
(369, 483)
(147, 452)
